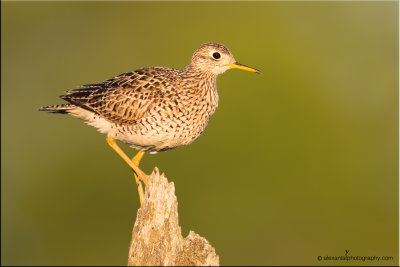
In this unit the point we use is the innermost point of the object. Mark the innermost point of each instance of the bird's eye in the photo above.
(216, 55)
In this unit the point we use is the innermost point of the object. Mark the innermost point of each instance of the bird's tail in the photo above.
(63, 108)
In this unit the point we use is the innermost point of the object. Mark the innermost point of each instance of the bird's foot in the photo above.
(142, 177)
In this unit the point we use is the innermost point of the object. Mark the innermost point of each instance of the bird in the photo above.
(153, 109)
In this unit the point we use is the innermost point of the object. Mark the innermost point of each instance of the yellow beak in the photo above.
(237, 65)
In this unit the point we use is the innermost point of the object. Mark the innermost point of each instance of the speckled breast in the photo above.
(168, 125)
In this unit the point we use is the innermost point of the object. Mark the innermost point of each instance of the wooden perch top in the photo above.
(157, 238)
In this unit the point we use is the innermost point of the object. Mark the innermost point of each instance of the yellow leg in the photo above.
(140, 174)
(136, 160)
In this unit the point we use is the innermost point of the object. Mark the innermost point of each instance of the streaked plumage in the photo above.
(154, 109)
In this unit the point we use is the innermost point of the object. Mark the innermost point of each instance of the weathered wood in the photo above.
(157, 238)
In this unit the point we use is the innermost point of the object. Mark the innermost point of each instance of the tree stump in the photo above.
(157, 238)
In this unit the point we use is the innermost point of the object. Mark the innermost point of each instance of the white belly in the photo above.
(142, 136)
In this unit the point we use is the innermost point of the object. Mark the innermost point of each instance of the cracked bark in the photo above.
(157, 237)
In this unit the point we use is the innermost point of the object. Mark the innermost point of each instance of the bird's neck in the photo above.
(194, 71)
(206, 80)
(206, 84)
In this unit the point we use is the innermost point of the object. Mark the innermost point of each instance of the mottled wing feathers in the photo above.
(123, 99)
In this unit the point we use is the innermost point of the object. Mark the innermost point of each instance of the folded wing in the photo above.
(123, 99)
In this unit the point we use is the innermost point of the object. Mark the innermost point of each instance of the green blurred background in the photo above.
(298, 162)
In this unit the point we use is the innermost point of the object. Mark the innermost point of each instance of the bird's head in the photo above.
(216, 58)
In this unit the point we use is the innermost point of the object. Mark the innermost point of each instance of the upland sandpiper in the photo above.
(153, 109)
